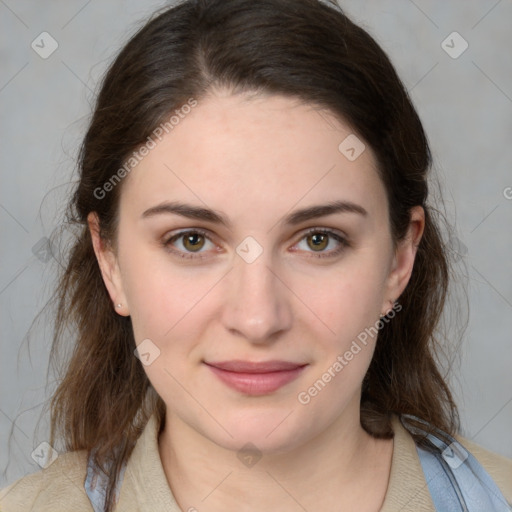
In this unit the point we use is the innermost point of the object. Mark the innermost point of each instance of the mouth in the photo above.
(256, 378)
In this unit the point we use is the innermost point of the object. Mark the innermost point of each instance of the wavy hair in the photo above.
(305, 49)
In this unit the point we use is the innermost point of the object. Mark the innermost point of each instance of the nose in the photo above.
(256, 305)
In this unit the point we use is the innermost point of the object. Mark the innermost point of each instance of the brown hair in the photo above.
(304, 49)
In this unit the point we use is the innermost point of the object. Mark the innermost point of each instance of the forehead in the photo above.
(256, 155)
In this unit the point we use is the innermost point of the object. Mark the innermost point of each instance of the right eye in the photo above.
(191, 242)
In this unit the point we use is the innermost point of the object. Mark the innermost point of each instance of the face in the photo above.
(222, 262)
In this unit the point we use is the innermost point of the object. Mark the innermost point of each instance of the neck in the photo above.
(342, 468)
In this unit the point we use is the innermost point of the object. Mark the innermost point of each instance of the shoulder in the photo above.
(58, 487)
(407, 488)
(498, 466)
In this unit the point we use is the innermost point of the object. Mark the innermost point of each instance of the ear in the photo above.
(403, 260)
(109, 266)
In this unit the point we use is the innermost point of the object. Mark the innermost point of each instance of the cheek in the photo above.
(344, 340)
(349, 301)
(165, 309)
(158, 291)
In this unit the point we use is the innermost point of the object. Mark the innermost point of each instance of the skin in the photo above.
(256, 159)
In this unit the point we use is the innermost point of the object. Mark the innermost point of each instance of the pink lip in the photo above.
(254, 378)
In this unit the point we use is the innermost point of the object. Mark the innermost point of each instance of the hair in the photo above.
(303, 49)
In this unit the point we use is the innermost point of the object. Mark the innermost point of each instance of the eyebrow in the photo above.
(205, 214)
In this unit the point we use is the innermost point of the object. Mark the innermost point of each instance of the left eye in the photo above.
(318, 240)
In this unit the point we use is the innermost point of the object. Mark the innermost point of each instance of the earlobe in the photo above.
(109, 266)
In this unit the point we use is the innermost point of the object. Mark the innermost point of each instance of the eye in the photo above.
(189, 243)
(319, 239)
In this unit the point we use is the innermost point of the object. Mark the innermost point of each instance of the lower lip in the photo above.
(256, 383)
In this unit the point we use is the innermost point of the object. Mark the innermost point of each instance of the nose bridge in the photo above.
(256, 305)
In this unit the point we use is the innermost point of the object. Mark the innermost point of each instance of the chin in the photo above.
(271, 432)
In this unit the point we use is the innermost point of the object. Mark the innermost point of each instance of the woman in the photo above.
(256, 282)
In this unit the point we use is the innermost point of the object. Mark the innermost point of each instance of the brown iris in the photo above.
(320, 241)
(193, 242)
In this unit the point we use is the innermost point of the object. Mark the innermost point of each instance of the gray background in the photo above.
(465, 104)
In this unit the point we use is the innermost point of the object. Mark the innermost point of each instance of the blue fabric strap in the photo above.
(455, 479)
(96, 483)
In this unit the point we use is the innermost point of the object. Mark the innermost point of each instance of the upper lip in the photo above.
(239, 366)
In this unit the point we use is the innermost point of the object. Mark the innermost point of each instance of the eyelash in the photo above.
(167, 242)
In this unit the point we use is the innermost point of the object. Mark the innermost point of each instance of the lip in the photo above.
(256, 378)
